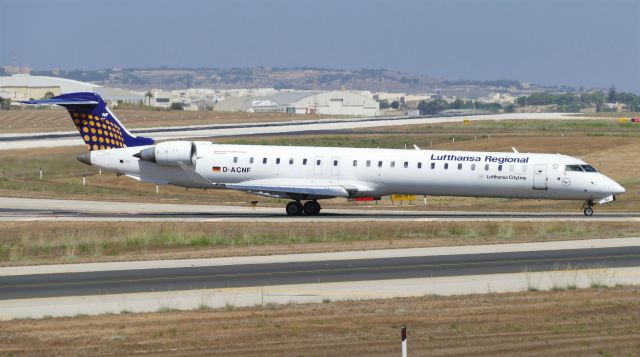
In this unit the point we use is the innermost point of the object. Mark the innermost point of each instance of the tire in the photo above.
(294, 209)
(312, 208)
(588, 211)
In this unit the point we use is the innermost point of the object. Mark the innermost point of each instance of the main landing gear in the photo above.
(310, 208)
(587, 208)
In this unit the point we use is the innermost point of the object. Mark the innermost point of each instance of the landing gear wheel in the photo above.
(294, 208)
(588, 211)
(312, 208)
(587, 208)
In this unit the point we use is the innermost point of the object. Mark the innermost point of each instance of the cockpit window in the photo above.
(580, 168)
(572, 168)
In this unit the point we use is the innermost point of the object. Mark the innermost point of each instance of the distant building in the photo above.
(305, 102)
(161, 99)
(234, 104)
(24, 87)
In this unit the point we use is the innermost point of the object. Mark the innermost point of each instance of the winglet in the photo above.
(514, 150)
(196, 177)
(416, 147)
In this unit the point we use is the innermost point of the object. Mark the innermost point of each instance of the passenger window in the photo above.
(459, 166)
(433, 165)
(264, 160)
(419, 165)
(486, 167)
(393, 164)
(318, 162)
(473, 167)
(277, 161)
(251, 160)
(235, 159)
(379, 163)
(446, 166)
(511, 167)
(290, 161)
(368, 163)
(304, 161)
(499, 167)
(335, 162)
(355, 163)
(406, 164)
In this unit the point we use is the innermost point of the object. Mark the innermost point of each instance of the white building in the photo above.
(305, 102)
(25, 86)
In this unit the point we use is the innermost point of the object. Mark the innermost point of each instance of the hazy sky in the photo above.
(579, 43)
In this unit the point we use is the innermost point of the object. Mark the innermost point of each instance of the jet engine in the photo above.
(169, 153)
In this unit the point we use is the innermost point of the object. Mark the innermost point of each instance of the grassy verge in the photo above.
(523, 126)
(587, 322)
(611, 115)
(43, 120)
(23, 243)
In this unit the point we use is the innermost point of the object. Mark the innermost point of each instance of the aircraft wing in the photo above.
(283, 188)
(296, 188)
(282, 191)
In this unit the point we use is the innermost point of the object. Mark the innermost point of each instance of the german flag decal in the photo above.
(216, 169)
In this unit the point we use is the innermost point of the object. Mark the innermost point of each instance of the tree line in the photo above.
(435, 106)
(572, 102)
(565, 102)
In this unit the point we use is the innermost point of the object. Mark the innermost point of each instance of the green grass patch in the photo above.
(72, 241)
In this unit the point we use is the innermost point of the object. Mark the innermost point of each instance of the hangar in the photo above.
(25, 86)
(305, 102)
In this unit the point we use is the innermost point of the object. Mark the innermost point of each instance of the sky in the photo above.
(589, 43)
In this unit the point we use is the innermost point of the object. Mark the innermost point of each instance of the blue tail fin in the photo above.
(98, 126)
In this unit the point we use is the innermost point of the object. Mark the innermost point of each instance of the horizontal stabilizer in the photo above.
(63, 102)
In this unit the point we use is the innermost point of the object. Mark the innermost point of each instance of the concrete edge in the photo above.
(315, 293)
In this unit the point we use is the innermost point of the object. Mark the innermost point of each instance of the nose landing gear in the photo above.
(310, 208)
(587, 208)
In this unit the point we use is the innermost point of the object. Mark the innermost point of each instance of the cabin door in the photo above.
(317, 165)
(540, 177)
(335, 164)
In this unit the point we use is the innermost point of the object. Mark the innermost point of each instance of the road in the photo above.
(304, 272)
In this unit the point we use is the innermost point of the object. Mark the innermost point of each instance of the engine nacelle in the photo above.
(169, 153)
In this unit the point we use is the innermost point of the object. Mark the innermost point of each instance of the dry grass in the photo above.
(24, 243)
(588, 322)
(43, 120)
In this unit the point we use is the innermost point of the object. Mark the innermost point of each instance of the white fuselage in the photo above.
(374, 172)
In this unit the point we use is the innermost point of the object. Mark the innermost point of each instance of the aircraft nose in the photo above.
(613, 187)
(617, 189)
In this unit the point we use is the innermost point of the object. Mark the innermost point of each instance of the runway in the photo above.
(69, 138)
(247, 275)
(52, 210)
(330, 215)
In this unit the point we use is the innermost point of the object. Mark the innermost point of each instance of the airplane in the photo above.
(308, 174)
